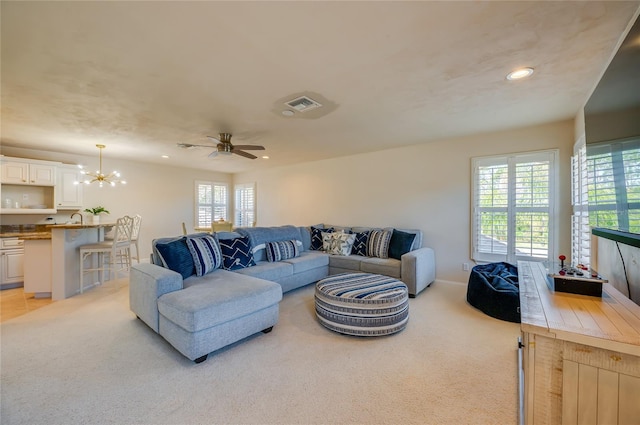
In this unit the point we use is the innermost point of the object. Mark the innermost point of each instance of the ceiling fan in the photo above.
(225, 147)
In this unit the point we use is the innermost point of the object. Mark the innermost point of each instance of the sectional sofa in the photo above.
(202, 292)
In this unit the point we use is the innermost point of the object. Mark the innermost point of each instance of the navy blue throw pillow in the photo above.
(400, 243)
(316, 237)
(360, 244)
(177, 257)
(236, 253)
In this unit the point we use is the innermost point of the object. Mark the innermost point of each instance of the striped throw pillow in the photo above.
(378, 244)
(282, 250)
(206, 253)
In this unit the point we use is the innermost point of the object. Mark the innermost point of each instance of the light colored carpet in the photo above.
(88, 360)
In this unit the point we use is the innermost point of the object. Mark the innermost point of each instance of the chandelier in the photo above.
(112, 178)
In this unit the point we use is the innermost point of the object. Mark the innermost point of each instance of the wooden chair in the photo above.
(113, 256)
(221, 226)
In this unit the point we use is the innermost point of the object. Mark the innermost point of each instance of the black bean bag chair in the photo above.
(493, 289)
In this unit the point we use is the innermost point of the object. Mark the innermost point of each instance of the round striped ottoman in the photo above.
(362, 304)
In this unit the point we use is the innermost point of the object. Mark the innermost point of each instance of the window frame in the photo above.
(213, 204)
(511, 209)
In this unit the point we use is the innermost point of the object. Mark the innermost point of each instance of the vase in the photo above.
(95, 219)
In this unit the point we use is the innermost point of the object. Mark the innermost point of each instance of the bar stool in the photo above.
(113, 256)
(137, 220)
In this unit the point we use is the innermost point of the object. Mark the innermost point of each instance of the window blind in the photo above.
(513, 201)
(580, 229)
(211, 202)
(245, 205)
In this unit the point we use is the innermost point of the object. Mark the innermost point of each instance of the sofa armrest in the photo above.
(418, 269)
(147, 283)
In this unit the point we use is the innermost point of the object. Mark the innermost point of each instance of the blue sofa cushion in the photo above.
(378, 244)
(206, 254)
(282, 250)
(175, 255)
(236, 253)
(400, 243)
(360, 244)
(316, 237)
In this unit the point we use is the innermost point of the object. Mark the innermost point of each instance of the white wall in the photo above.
(162, 195)
(425, 186)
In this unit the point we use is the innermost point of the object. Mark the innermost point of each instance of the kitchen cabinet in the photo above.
(23, 172)
(28, 186)
(68, 191)
(11, 263)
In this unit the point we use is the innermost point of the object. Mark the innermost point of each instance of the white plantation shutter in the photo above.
(211, 202)
(245, 212)
(580, 229)
(513, 207)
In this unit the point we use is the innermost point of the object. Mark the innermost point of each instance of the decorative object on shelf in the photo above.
(95, 213)
(111, 179)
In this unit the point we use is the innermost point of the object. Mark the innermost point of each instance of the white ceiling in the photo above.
(140, 77)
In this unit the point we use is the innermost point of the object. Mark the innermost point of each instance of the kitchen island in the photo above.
(65, 256)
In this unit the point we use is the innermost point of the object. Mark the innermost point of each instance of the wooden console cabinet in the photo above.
(580, 354)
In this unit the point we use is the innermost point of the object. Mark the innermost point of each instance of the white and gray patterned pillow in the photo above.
(205, 252)
(341, 243)
(378, 244)
(282, 250)
(316, 237)
(327, 238)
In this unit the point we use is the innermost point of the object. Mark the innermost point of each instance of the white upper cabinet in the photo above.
(18, 172)
(68, 191)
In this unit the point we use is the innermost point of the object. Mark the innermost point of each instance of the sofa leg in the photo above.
(412, 295)
(201, 359)
(266, 331)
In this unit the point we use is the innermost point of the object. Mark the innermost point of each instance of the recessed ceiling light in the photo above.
(519, 74)
(265, 157)
(287, 113)
(165, 156)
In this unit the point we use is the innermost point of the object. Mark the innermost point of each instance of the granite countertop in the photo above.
(79, 226)
(35, 236)
(23, 231)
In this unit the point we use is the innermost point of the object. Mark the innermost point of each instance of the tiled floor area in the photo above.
(15, 302)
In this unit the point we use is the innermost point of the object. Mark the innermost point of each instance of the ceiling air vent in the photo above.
(303, 104)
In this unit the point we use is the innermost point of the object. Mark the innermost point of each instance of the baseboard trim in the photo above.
(450, 282)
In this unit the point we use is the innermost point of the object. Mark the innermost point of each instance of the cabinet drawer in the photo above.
(11, 243)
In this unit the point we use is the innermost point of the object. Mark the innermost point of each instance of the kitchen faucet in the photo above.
(81, 218)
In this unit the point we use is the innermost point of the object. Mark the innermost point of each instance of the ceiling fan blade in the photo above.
(243, 153)
(214, 138)
(213, 154)
(249, 147)
(191, 145)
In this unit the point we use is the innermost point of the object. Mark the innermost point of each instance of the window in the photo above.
(613, 171)
(211, 202)
(245, 214)
(513, 207)
(580, 229)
